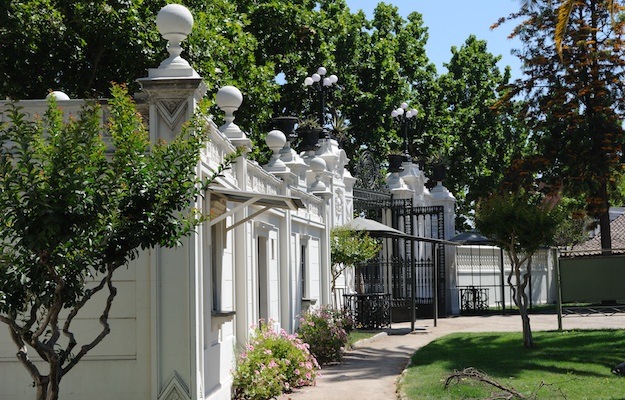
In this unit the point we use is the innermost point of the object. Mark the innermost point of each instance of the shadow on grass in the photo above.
(582, 353)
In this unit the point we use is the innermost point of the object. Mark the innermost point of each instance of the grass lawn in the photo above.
(570, 364)
(357, 335)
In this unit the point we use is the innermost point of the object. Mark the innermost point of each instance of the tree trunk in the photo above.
(605, 233)
(528, 340)
(42, 390)
(604, 220)
(520, 297)
(48, 386)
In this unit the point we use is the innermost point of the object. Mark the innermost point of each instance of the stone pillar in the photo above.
(173, 91)
(414, 177)
(443, 197)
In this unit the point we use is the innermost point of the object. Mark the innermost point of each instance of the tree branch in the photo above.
(103, 321)
(22, 353)
(474, 374)
(72, 340)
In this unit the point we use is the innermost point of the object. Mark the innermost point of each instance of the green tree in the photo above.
(350, 248)
(223, 50)
(79, 47)
(574, 106)
(75, 46)
(394, 69)
(477, 141)
(520, 223)
(264, 47)
(74, 212)
(575, 228)
(378, 62)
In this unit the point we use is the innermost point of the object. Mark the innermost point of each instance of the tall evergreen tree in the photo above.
(574, 105)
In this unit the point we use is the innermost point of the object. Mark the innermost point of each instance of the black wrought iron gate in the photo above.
(391, 272)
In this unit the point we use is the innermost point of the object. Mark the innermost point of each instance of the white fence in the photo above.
(482, 283)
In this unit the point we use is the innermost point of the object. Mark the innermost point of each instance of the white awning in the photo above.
(378, 230)
(246, 199)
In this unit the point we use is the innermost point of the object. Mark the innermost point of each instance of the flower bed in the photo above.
(272, 363)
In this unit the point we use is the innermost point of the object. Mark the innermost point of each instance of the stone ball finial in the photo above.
(174, 19)
(174, 22)
(317, 165)
(275, 140)
(229, 98)
(58, 95)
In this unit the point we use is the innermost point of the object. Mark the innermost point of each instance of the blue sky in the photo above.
(450, 22)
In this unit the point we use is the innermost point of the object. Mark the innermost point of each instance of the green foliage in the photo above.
(575, 226)
(266, 48)
(78, 46)
(242, 43)
(309, 122)
(223, 51)
(326, 331)
(572, 365)
(349, 248)
(573, 103)
(518, 222)
(479, 143)
(75, 211)
(272, 363)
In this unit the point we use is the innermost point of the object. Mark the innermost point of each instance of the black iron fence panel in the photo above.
(473, 300)
(370, 276)
(371, 311)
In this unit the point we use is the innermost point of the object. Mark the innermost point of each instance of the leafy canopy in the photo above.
(519, 222)
(349, 248)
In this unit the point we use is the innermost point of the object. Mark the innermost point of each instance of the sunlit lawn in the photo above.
(570, 364)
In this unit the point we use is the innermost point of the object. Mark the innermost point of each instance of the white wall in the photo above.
(123, 357)
(480, 266)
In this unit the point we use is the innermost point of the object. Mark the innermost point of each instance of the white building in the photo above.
(181, 314)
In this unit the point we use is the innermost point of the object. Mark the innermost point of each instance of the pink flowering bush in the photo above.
(326, 331)
(272, 363)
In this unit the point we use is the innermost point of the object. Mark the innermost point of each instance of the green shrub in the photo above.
(272, 363)
(326, 331)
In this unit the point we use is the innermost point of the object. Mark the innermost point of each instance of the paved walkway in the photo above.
(370, 371)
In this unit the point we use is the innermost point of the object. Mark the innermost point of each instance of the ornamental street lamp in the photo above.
(322, 86)
(403, 115)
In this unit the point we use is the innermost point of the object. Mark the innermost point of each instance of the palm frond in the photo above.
(564, 14)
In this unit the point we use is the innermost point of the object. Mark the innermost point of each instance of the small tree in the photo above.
(73, 213)
(349, 248)
(520, 224)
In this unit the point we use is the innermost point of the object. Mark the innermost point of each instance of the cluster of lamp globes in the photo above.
(403, 110)
(321, 71)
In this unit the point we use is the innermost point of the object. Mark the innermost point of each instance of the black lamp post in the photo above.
(321, 84)
(403, 115)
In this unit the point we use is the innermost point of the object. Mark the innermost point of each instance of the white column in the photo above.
(173, 91)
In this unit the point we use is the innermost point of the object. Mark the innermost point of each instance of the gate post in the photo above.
(172, 93)
(443, 197)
